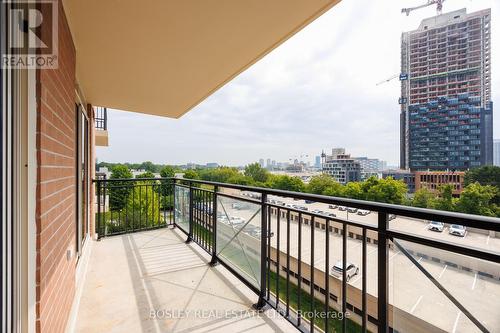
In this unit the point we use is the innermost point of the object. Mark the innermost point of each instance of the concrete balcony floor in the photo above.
(138, 282)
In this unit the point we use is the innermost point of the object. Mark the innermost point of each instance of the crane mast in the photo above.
(438, 3)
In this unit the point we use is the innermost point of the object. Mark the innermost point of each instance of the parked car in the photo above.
(350, 268)
(330, 215)
(309, 201)
(237, 205)
(457, 230)
(317, 211)
(352, 209)
(237, 220)
(436, 226)
(332, 206)
(391, 217)
(342, 208)
(363, 212)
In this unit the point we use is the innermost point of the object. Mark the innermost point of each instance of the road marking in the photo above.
(375, 249)
(395, 254)
(455, 325)
(487, 239)
(442, 272)
(474, 283)
(416, 304)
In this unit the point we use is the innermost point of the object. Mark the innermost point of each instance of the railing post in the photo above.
(173, 203)
(214, 260)
(190, 234)
(98, 229)
(263, 254)
(383, 273)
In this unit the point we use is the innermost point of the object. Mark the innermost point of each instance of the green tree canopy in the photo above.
(191, 174)
(423, 198)
(256, 172)
(318, 184)
(287, 183)
(119, 191)
(147, 174)
(167, 171)
(387, 190)
(486, 175)
(445, 200)
(477, 199)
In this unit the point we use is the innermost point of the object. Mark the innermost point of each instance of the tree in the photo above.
(287, 183)
(477, 199)
(142, 207)
(220, 174)
(148, 166)
(387, 190)
(353, 190)
(147, 174)
(240, 180)
(191, 174)
(167, 172)
(423, 198)
(445, 198)
(119, 191)
(318, 184)
(256, 172)
(486, 175)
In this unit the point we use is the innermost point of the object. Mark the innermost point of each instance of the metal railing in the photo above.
(101, 118)
(129, 205)
(283, 251)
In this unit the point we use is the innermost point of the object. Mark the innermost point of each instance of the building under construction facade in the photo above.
(446, 108)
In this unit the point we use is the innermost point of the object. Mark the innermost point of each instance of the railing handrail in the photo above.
(468, 220)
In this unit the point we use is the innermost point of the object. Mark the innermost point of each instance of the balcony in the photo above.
(370, 267)
(101, 126)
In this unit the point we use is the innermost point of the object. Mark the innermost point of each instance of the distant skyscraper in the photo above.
(496, 152)
(268, 163)
(317, 162)
(261, 162)
(446, 108)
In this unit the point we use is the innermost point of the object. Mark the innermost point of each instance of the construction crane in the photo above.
(402, 77)
(438, 3)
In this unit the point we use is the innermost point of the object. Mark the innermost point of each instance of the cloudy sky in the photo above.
(316, 91)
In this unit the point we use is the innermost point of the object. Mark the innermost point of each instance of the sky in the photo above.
(316, 91)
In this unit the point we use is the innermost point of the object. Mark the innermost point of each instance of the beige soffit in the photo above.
(163, 57)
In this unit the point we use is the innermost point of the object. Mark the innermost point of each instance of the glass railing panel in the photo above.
(181, 203)
(239, 236)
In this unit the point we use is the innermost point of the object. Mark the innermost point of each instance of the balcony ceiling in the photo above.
(163, 57)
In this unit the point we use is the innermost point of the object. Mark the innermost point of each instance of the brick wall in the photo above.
(56, 187)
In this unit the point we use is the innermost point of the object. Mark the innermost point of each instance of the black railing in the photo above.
(101, 118)
(318, 267)
(129, 205)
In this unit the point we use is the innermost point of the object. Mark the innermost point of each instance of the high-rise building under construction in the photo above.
(446, 108)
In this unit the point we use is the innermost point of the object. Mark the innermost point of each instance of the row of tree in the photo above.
(480, 196)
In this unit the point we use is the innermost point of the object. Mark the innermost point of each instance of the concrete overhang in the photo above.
(163, 57)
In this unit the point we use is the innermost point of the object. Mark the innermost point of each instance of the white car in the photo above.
(342, 208)
(352, 209)
(363, 212)
(436, 226)
(457, 230)
(350, 268)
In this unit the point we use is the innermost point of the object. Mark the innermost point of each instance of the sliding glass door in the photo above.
(82, 176)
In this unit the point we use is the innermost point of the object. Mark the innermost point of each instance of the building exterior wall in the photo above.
(56, 187)
(446, 107)
(496, 152)
(406, 176)
(432, 180)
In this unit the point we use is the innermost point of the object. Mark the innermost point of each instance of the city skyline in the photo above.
(292, 102)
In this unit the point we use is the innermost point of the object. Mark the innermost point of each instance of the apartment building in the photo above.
(496, 152)
(341, 166)
(446, 106)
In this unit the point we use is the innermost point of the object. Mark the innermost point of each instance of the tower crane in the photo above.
(438, 3)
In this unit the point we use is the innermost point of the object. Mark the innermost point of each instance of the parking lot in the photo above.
(409, 289)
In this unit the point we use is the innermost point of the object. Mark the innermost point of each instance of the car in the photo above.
(391, 217)
(332, 206)
(309, 201)
(342, 208)
(237, 220)
(457, 230)
(317, 211)
(237, 205)
(352, 209)
(363, 212)
(436, 226)
(350, 269)
(330, 215)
